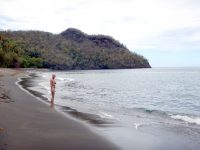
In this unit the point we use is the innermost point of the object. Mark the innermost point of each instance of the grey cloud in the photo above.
(181, 39)
(5, 18)
(174, 40)
(129, 19)
(69, 8)
(181, 33)
(7, 22)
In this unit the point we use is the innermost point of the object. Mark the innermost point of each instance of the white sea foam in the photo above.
(61, 79)
(185, 118)
(64, 79)
(44, 76)
(136, 125)
(44, 85)
(105, 115)
(70, 79)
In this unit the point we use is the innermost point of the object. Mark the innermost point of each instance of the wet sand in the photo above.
(28, 124)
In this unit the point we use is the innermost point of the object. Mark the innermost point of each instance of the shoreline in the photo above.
(88, 118)
(157, 130)
(152, 127)
(27, 123)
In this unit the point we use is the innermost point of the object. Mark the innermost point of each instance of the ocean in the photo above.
(157, 108)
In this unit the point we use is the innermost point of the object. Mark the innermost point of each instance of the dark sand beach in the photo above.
(28, 124)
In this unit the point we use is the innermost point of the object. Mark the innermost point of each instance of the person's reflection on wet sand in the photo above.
(52, 104)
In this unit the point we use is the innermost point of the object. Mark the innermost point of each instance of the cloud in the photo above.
(183, 39)
(139, 24)
(5, 18)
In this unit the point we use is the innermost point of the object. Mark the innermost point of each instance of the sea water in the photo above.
(150, 104)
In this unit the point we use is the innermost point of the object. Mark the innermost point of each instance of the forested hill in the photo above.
(71, 49)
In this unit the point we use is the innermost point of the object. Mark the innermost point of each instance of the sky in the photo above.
(166, 32)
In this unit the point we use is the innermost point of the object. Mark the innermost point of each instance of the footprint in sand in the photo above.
(1, 129)
(5, 99)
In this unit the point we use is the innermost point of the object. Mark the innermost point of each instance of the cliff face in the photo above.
(73, 49)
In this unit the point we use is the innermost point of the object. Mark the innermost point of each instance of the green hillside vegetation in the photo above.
(12, 55)
(71, 49)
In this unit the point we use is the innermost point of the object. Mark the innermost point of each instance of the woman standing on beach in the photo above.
(53, 87)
